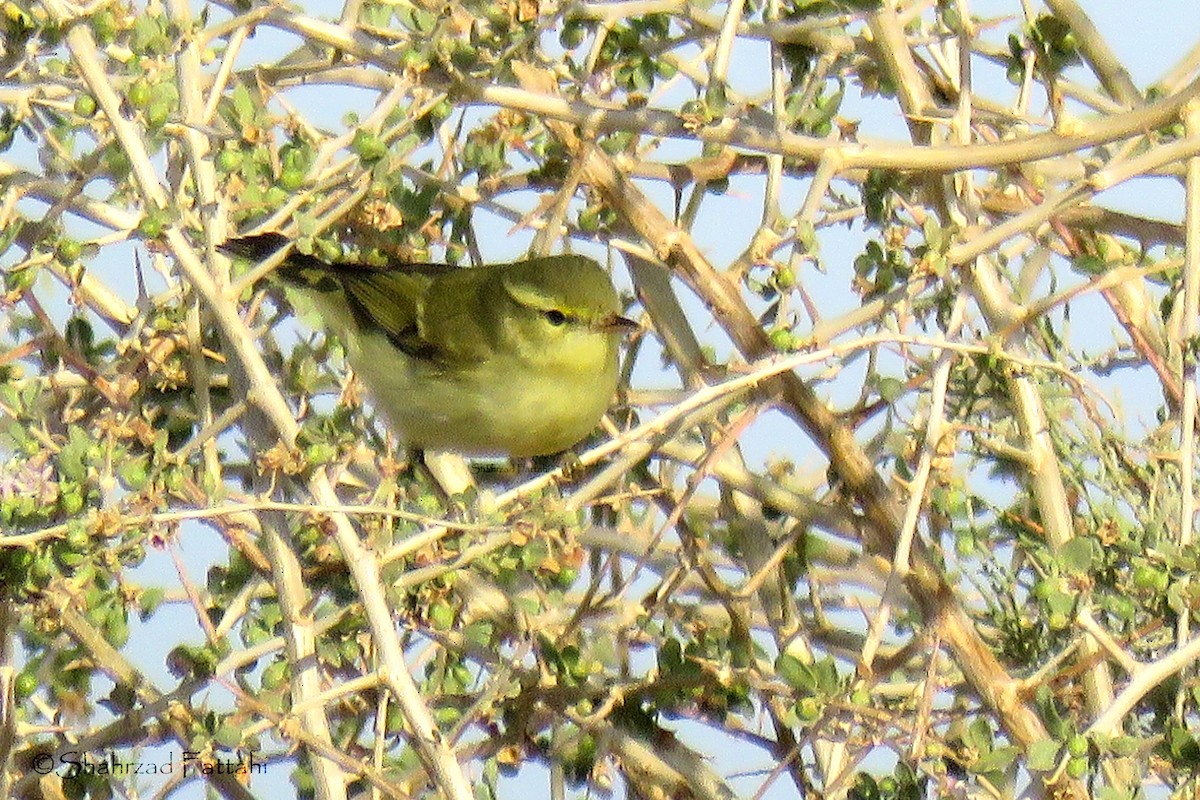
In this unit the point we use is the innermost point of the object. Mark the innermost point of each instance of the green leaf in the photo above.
(1080, 555)
(228, 735)
(1043, 755)
(795, 673)
(75, 456)
(998, 760)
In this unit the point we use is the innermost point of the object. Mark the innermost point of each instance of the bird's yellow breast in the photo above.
(502, 405)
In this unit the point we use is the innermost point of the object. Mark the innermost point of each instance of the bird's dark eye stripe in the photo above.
(555, 317)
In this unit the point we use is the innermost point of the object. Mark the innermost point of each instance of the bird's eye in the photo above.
(555, 317)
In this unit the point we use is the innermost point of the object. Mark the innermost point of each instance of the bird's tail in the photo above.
(261, 245)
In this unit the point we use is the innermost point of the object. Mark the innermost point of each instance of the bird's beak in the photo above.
(615, 323)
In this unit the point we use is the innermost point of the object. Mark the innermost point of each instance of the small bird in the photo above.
(514, 359)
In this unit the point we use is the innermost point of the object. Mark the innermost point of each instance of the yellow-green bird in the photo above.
(515, 359)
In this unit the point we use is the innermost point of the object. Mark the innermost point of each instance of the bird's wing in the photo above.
(458, 314)
(379, 299)
(386, 302)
